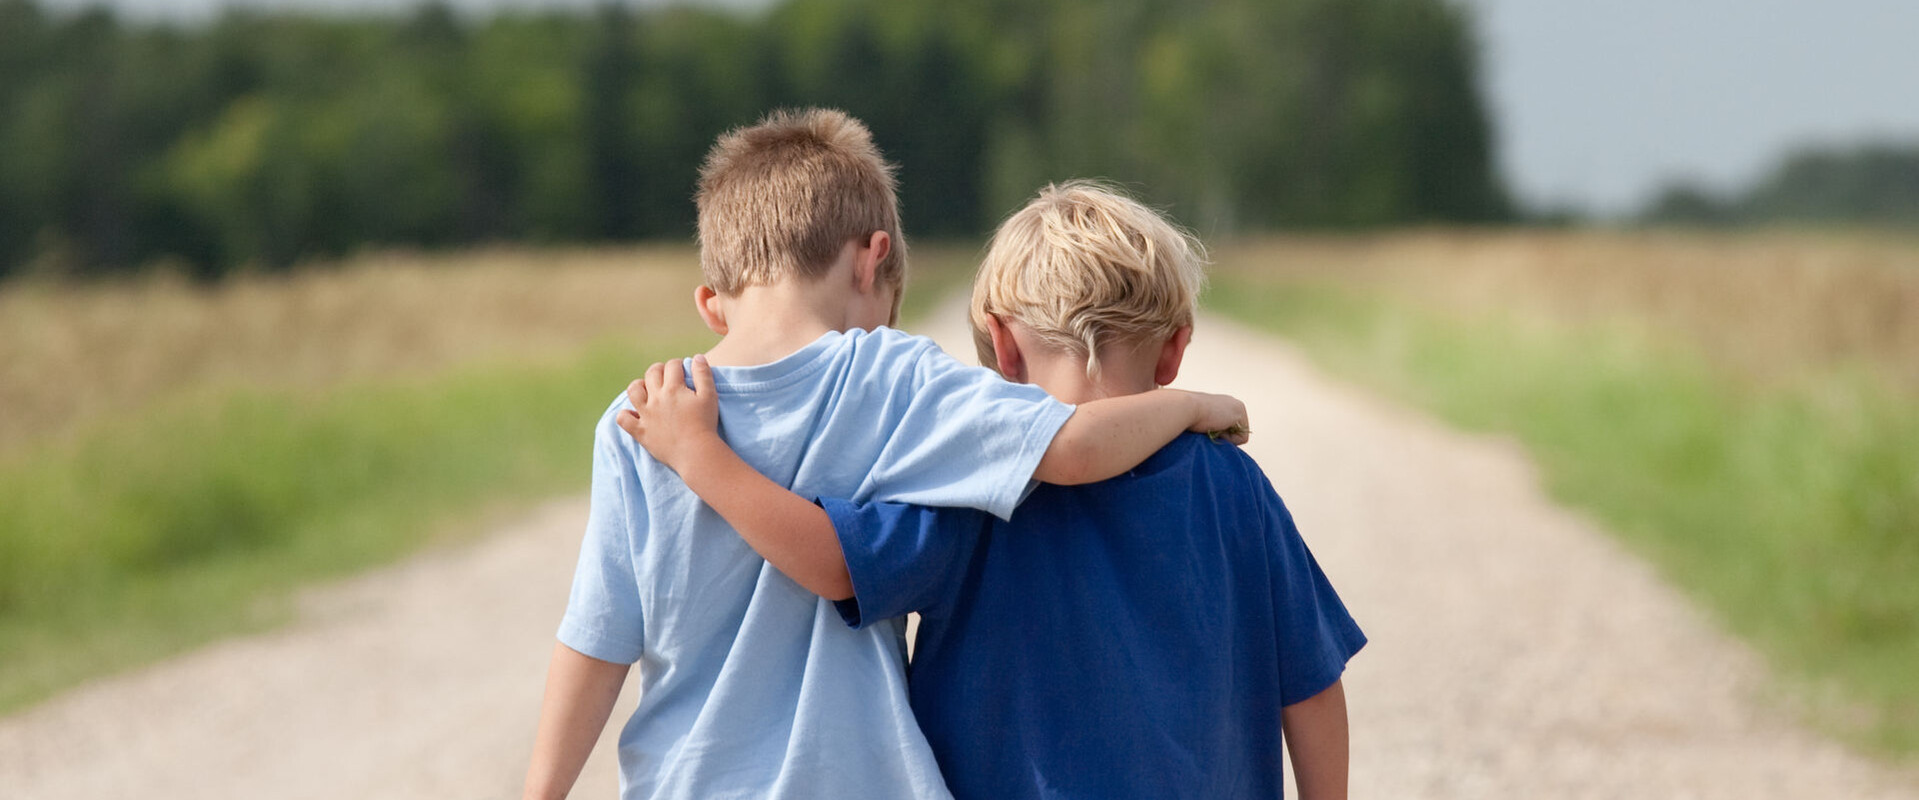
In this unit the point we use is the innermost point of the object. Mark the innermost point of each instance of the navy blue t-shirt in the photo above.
(1130, 638)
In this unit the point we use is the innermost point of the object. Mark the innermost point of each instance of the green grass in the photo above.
(193, 519)
(1791, 512)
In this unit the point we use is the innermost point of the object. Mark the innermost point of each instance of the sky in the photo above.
(1598, 104)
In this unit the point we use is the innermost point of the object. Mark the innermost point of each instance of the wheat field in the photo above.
(75, 352)
(1772, 306)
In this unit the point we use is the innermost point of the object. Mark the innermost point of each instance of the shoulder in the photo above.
(891, 337)
(609, 424)
(1230, 456)
(610, 442)
(885, 345)
(1203, 452)
(1231, 475)
(919, 362)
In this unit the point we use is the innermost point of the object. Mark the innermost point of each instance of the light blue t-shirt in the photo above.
(752, 687)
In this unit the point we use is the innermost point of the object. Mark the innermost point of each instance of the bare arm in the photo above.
(1107, 437)
(680, 427)
(580, 692)
(1317, 739)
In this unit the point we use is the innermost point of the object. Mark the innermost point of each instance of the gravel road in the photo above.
(1516, 651)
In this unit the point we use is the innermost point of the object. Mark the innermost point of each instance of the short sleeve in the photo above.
(603, 615)
(902, 558)
(1316, 634)
(967, 437)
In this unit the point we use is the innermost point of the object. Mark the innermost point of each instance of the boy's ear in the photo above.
(1171, 354)
(867, 257)
(707, 302)
(1012, 365)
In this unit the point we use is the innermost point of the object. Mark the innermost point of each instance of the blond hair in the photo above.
(779, 199)
(1084, 266)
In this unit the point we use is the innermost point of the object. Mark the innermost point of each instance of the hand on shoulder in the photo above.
(669, 419)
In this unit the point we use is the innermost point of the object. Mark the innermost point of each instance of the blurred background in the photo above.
(267, 267)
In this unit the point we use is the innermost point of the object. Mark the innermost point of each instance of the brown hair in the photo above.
(779, 199)
(1084, 266)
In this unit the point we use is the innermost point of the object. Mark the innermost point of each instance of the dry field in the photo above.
(1772, 306)
(70, 353)
(1769, 305)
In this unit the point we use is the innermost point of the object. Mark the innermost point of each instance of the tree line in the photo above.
(257, 140)
(1874, 183)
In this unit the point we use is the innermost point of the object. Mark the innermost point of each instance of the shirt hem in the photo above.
(593, 644)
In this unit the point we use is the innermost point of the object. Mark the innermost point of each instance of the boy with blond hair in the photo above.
(750, 685)
(1160, 634)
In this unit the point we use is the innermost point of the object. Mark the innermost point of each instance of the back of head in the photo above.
(778, 200)
(1083, 266)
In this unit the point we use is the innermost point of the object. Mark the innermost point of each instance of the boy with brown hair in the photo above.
(750, 684)
(1159, 634)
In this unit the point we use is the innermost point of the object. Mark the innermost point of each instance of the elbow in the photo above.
(1065, 464)
(1069, 472)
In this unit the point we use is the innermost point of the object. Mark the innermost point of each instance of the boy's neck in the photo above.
(1063, 375)
(767, 323)
(1125, 368)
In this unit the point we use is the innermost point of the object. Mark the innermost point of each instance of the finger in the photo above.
(636, 393)
(702, 376)
(629, 422)
(676, 375)
(654, 376)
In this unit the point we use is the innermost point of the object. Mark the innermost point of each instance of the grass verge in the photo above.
(1791, 511)
(142, 536)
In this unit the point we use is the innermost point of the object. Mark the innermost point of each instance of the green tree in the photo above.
(1874, 183)
(613, 167)
(268, 138)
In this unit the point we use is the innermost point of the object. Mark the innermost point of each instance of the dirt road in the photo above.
(1516, 651)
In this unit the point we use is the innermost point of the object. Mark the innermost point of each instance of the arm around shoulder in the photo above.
(680, 427)
(1109, 436)
(789, 531)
